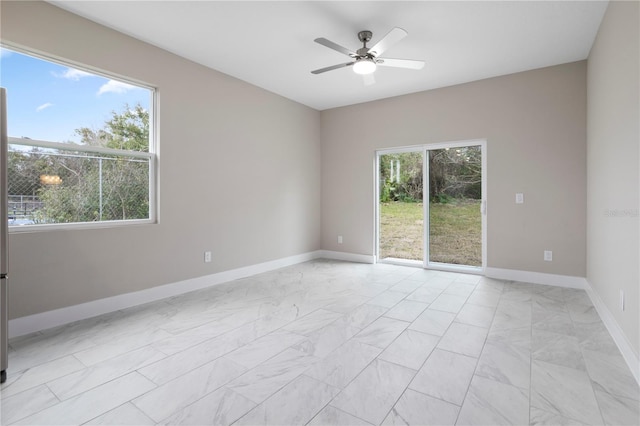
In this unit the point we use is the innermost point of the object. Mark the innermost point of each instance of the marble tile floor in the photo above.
(330, 343)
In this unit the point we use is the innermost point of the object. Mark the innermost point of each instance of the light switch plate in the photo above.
(519, 198)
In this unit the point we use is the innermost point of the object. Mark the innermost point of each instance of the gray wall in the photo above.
(613, 179)
(535, 126)
(250, 160)
(291, 163)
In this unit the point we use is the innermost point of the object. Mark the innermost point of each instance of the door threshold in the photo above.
(463, 269)
(402, 262)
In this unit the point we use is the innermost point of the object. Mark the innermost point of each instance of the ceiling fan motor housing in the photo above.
(365, 36)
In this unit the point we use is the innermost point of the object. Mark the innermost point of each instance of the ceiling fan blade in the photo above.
(331, 45)
(392, 37)
(400, 63)
(333, 67)
(368, 79)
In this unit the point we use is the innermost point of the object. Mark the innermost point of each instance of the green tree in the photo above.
(455, 173)
(127, 130)
(101, 187)
(24, 172)
(408, 168)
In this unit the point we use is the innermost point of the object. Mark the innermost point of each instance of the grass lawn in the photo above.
(455, 235)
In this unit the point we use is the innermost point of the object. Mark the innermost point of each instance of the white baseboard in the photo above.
(349, 257)
(57, 317)
(616, 332)
(537, 278)
(581, 283)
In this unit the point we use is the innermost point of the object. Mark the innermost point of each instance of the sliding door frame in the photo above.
(379, 153)
(425, 148)
(483, 207)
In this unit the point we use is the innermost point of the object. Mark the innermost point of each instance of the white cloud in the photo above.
(44, 106)
(113, 86)
(73, 74)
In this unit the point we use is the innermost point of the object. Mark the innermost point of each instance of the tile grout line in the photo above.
(478, 359)
(586, 367)
(42, 409)
(416, 371)
(286, 288)
(530, 362)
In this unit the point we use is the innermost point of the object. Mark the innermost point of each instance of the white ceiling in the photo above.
(270, 43)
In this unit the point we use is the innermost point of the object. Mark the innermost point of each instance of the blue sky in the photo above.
(48, 101)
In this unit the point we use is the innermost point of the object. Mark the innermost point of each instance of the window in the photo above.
(81, 148)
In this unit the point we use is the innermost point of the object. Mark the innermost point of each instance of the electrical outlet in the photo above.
(622, 300)
(519, 198)
(339, 239)
(548, 255)
(207, 256)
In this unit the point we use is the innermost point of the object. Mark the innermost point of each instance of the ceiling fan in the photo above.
(366, 59)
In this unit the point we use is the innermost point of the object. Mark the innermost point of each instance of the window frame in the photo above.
(151, 155)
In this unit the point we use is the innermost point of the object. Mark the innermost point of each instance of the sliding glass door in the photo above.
(454, 228)
(431, 206)
(400, 207)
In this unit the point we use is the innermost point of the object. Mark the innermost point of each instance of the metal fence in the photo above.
(23, 206)
(69, 185)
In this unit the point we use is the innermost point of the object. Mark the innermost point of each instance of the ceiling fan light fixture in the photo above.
(364, 66)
